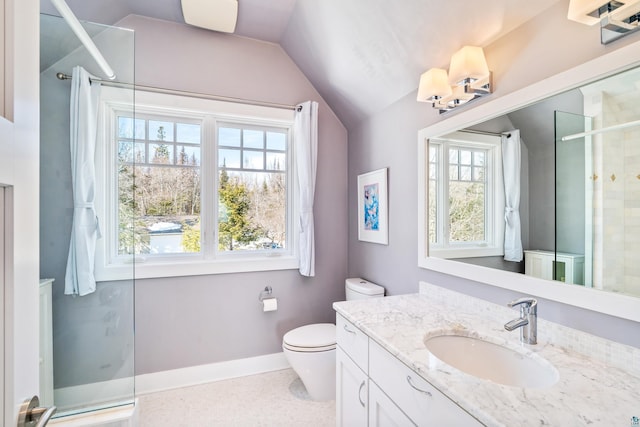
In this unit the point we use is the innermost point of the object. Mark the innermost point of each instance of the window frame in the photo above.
(111, 266)
(493, 245)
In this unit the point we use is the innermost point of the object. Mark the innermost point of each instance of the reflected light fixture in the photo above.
(469, 78)
(215, 15)
(616, 17)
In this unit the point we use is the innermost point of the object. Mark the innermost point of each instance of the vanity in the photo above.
(386, 374)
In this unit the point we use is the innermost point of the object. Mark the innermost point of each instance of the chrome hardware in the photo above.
(265, 294)
(32, 415)
(360, 393)
(528, 320)
(349, 330)
(428, 393)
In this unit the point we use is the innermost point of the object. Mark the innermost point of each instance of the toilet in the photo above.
(311, 349)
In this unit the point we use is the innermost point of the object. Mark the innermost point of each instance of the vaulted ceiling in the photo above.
(361, 55)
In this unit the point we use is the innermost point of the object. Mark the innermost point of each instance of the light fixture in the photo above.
(468, 78)
(617, 18)
(84, 38)
(216, 15)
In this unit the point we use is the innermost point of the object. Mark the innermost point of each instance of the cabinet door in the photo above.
(423, 403)
(383, 412)
(352, 392)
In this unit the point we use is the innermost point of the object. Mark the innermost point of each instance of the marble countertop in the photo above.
(599, 380)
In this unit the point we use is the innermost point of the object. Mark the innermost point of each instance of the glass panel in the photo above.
(465, 157)
(93, 341)
(253, 138)
(466, 212)
(453, 156)
(229, 137)
(465, 173)
(160, 130)
(276, 141)
(433, 211)
(161, 153)
(276, 161)
(253, 159)
(559, 271)
(478, 158)
(251, 211)
(229, 158)
(572, 158)
(453, 173)
(188, 133)
(188, 155)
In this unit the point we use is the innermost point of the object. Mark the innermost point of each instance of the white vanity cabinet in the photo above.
(352, 382)
(374, 388)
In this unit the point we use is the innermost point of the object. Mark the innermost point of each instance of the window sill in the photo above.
(466, 252)
(146, 269)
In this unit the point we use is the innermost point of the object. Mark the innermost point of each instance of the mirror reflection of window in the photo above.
(466, 196)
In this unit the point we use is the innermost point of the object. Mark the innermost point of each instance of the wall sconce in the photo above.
(617, 18)
(469, 78)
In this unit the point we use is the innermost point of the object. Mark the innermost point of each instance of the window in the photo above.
(194, 186)
(465, 196)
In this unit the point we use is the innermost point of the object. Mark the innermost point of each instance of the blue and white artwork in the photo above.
(372, 207)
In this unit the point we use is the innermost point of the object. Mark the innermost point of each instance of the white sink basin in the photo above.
(516, 367)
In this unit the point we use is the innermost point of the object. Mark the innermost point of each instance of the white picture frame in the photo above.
(373, 208)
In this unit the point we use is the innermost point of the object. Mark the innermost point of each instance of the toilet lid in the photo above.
(312, 336)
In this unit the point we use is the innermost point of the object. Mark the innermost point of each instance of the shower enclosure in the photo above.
(92, 335)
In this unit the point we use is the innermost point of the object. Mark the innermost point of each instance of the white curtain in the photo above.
(511, 162)
(79, 278)
(306, 149)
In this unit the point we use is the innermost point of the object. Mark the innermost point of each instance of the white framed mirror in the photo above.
(587, 291)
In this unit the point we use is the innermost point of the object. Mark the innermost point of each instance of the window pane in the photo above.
(465, 157)
(125, 151)
(453, 156)
(276, 141)
(465, 173)
(478, 174)
(478, 158)
(253, 138)
(160, 130)
(188, 133)
(252, 159)
(433, 154)
(466, 212)
(163, 216)
(229, 137)
(276, 161)
(251, 211)
(188, 155)
(127, 128)
(229, 158)
(139, 154)
(161, 153)
(433, 209)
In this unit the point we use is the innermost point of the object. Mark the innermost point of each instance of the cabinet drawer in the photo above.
(422, 402)
(353, 342)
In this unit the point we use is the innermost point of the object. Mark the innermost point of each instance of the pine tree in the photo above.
(234, 225)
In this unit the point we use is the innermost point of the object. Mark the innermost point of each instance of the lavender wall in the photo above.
(541, 48)
(187, 321)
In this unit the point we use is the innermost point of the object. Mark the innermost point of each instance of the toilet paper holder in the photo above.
(266, 293)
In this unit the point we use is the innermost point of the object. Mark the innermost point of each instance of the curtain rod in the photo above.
(486, 133)
(602, 130)
(62, 76)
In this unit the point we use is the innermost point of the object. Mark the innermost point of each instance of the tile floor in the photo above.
(272, 399)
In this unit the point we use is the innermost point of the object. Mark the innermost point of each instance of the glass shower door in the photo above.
(574, 180)
(92, 335)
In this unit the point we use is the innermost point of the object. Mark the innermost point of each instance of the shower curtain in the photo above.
(79, 277)
(511, 164)
(306, 137)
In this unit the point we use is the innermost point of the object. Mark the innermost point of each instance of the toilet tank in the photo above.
(357, 288)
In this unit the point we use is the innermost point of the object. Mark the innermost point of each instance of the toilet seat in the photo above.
(311, 338)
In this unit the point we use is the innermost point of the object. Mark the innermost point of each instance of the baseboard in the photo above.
(194, 375)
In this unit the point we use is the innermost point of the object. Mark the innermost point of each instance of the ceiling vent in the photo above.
(216, 15)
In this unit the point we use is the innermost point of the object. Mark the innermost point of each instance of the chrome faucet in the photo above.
(528, 320)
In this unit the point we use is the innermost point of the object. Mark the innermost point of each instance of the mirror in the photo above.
(579, 198)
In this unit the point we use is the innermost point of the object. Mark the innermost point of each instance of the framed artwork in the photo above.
(373, 210)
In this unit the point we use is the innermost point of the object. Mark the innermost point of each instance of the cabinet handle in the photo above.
(349, 330)
(360, 393)
(428, 393)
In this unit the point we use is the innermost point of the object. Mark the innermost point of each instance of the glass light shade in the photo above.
(433, 83)
(579, 11)
(467, 63)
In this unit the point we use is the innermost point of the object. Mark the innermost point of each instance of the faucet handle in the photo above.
(528, 304)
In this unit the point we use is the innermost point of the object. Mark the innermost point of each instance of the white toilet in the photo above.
(311, 349)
